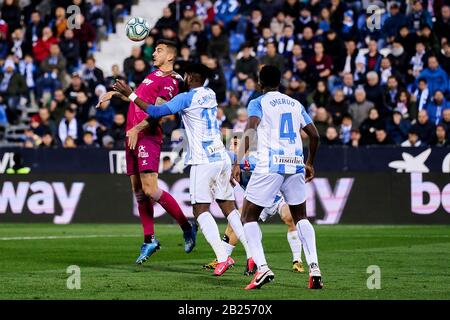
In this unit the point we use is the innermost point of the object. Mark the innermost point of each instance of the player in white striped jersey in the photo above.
(277, 121)
(210, 164)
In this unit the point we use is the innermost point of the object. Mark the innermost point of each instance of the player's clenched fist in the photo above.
(309, 172)
(235, 174)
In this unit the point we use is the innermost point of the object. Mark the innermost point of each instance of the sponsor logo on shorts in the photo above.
(144, 163)
(214, 148)
(294, 160)
(142, 152)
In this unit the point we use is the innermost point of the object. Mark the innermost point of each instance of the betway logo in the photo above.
(40, 197)
(435, 196)
(332, 200)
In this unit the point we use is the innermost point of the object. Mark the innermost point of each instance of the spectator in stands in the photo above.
(393, 23)
(322, 121)
(246, 67)
(58, 106)
(59, 23)
(442, 24)
(418, 61)
(41, 49)
(55, 61)
(105, 114)
(413, 139)
(307, 41)
(390, 92)
(88, 141)
(217, 81)
(387, 71)
(435, 108)
(286, 42)
(440, 139)
(424, 127)
(331, 137)
(46, 124)
(11, 13)
(147, 49)
(399, 58)
(369, 126)
(85, 35)
(374, 92)
(196, 40)
(397, 128)
(319, 97)
(33, 30)
(76, 85)
(225, 11)
(70, 48)
(359, 110)
(12, 88)
(241, 123)
(446, 121)
(435, 76)
(338, 106)
(345, 129)
(218, 44)
(18, 46)
(68, 127)
(232, 106)
(355, 138)
(168, 20)
(91, 74)
(382, 137)
(69, 143)
(48, 141)
(405, 105)
(185, 25)
(249, 90)
(108, 142)
(348, 87)
(117, 131)
(347, 62)
(29, 71)
(128, 63)
(99, 16)
(94, 127)
(139, 73)
(320, 64)
(272, 58)
(444, 58)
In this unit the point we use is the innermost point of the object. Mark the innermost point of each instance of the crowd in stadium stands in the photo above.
(363, 83)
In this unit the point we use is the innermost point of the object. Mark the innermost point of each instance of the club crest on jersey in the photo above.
(147, 81)
(142, 153)
(159, 73)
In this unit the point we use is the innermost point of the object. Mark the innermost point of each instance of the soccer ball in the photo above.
(137, 29)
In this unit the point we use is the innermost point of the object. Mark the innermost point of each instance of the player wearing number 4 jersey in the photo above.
(210, 165)
(277, 120)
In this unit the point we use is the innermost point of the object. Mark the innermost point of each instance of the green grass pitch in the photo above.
(414, 263)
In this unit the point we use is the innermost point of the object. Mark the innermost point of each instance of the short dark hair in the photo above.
(169, 43)
(199, 69)
(270, 77)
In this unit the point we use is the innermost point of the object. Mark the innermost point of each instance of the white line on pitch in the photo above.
(71, 237)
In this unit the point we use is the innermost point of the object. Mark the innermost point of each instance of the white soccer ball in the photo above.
(137, 29)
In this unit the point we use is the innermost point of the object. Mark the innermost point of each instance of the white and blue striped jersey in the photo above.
(198, 109)
(280, 148)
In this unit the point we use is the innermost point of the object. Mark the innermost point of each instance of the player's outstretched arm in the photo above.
(313, 135)
(108, 96)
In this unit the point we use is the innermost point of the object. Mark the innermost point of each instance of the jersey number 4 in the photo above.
(287, 128)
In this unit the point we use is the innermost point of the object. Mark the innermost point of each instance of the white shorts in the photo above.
(262, 188)
(211, 181)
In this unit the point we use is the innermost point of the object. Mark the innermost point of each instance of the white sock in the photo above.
(234, 218)
(254, 236)
(228, 248)
(308, 238)
(211, 232)
(296, 245)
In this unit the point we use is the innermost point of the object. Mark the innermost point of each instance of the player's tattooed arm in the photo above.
(313, 135)
(247, 140)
